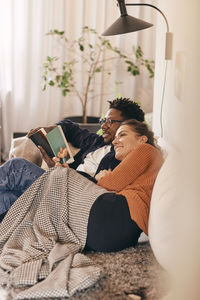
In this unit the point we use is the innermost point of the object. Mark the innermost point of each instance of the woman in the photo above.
(63, 212)
(117, 218)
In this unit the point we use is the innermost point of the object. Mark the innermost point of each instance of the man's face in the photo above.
(109, 128)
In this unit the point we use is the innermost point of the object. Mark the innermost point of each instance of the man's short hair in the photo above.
(129, 109)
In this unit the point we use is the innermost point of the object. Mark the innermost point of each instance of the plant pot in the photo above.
(92, 122)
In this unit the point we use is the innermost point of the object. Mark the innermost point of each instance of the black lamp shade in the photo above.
(125, 24)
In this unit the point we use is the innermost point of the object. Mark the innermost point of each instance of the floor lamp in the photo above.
(126, 23)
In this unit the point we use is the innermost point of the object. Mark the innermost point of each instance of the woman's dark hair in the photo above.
(141, 129)
(128, 108)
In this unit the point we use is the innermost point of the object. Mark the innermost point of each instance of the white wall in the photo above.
(183, 74)
(181, 124)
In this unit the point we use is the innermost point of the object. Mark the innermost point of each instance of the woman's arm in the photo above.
(135, 164)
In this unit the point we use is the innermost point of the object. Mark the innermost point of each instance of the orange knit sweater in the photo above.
(134, 178)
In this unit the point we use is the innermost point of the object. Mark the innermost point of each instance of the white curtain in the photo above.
(24, 47)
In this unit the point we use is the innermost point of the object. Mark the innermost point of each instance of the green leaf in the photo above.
(51, 82)
(135, 72)
(57, 78)
(100, 131)
(117, 51)
(64, 93)
(45, 65)
(129, 62)
(98, 69)
(139, 52)
(118, 95)
(49, 58)
(58, 32)
(81, 47)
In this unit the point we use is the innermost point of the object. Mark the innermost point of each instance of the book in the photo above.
(39, 139)
(54, 143)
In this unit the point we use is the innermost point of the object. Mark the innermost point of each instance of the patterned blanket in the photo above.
(42, 236)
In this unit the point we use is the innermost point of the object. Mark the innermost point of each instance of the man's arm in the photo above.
(77, 136)
(74, 134)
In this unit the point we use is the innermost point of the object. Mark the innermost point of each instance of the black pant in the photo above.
(110, 227)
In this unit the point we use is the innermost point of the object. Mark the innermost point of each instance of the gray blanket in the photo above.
(43, 234)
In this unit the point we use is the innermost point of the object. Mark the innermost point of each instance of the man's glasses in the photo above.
(108, 122)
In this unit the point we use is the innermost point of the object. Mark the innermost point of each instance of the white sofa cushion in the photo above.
(164, 213)
(23, 147)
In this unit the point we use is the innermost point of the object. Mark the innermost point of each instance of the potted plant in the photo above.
(89, 50)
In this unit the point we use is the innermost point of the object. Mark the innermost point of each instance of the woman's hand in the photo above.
(102, 174)
(58, 164)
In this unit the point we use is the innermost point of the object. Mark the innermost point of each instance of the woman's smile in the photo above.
(125, 141)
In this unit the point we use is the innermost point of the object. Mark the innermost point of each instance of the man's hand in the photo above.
(33, 131)
(50, 163)
(47, 129)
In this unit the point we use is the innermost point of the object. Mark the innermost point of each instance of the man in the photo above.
(96, 152)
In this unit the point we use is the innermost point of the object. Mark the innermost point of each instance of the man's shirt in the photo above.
(93, 159)
(89, 142)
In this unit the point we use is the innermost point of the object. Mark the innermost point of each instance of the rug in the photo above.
(133, 271)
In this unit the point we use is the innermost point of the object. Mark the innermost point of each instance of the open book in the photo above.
(54, 143)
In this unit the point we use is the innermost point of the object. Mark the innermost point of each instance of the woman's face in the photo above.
(126, 140)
